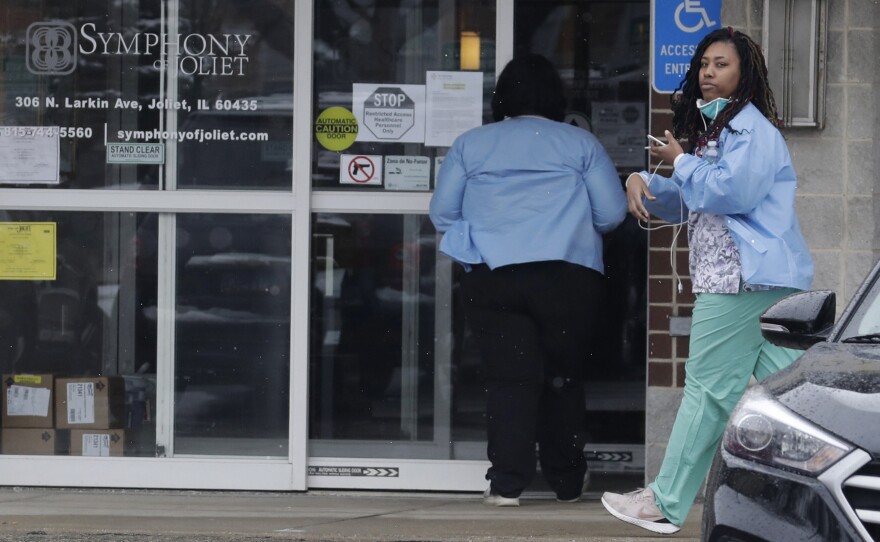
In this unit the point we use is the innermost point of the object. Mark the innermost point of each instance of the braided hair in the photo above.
(753, 87)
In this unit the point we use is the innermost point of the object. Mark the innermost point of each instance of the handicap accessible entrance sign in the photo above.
(678, 27)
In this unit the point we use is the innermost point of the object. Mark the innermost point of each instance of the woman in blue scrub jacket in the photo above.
(522, 204)
(736, 191)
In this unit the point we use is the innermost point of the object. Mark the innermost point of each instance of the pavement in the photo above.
(117, 515)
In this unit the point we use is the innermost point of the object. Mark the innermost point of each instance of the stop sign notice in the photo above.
(390, 113)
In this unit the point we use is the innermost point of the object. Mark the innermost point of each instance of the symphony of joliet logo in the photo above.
(53, 48)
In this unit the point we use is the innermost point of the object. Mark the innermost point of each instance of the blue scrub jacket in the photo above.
(526, 189)
(753, 186)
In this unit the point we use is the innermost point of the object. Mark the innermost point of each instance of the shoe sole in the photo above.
(653, 526)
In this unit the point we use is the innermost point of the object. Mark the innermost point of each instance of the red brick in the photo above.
(679, 374)
(682, 347)
(660, 101)
(661, 238)
(660, 374)
(659, 346)
(660, 291)
(658, 318)
(658, 263)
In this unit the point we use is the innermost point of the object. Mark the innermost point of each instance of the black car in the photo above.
(800, 457)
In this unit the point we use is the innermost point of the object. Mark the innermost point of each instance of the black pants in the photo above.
(533, 323)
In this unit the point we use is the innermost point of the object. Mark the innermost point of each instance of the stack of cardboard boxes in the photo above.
(44, 415)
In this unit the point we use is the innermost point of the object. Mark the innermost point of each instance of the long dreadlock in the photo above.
(753, 87)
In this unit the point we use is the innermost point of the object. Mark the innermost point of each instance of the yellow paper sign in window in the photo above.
(27, 251)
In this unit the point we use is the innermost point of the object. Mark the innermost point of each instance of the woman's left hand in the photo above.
(667, 152)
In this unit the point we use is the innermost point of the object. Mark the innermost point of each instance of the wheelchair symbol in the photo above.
(692, 6)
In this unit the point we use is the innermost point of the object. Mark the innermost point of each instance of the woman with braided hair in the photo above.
(735, 190)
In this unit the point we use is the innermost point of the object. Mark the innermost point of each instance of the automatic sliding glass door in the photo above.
(395, 379)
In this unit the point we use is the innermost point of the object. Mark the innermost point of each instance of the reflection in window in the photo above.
(249, 118)
(388, 41)
(90, 328)
(372, 327)
(232, 334)
(601, 51)
(97, 71)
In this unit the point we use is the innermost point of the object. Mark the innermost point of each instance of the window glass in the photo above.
(216, 82)
(239, 124)
(601, 50)
(865, 318)
(382, 113)
(77, 343)
(232, 334)
(372, 327)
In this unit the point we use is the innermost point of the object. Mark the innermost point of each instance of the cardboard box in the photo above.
(97, 442)
(28, 401)
(90, 403)
(34, 441)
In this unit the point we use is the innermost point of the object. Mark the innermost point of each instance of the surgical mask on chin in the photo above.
(711, 109)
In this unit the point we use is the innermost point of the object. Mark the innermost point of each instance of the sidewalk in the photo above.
(44, 515)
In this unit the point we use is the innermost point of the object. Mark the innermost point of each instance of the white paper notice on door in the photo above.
(29, 155)
(26, 401)
(96, 445)
(454, 105)
(81, 402)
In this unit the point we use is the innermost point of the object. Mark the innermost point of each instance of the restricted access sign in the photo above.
(360, 169)
(389, 113)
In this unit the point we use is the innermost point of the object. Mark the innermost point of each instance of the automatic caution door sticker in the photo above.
(389, 112)
(336, 128)
(360, 169)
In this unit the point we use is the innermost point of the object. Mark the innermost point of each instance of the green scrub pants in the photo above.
(726, 349)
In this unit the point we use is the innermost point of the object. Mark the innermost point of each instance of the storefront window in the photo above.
(394, 82)
(372, 353)
(77, 348)
(232, 335)
(126, 94)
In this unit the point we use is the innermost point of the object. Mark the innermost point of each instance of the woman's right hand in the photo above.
(636, 193)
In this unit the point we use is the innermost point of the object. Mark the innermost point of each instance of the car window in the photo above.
(866, 318)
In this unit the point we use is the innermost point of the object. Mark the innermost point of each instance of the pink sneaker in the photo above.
(639, 508)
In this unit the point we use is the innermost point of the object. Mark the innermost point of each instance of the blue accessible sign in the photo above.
(678, 27)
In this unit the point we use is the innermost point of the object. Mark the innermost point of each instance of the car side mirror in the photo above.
(800, 320)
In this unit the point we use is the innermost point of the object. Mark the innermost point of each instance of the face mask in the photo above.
(711, 109)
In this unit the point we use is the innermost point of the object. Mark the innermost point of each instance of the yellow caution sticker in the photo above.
(336, 128)
(27, 379)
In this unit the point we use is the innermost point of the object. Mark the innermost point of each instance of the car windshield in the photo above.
(864, 326)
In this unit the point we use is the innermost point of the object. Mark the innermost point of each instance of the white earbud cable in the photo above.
(676, 226)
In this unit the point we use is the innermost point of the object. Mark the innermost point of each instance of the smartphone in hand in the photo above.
(655, 140)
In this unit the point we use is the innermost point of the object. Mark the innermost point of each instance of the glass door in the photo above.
(395, 385)
(389, 400)
(602, 51)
